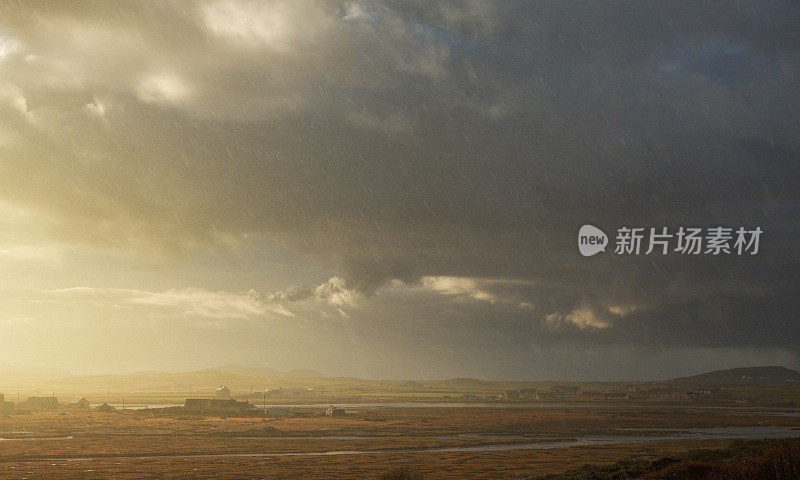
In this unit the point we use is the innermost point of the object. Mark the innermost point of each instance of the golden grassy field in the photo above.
(141, 444)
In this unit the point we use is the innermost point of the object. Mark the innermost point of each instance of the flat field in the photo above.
(440, 442)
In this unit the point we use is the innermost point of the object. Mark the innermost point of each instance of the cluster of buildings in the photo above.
(557, 392)
(670, 392)
(524, 393)
(38, 404)
(639, 392)
(224, 404)
(487, 397)
(221, 404)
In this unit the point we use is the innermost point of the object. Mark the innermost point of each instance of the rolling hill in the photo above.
(773, 375)
(270, 372)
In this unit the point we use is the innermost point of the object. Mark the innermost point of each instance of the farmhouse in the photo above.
(79, 403)
(222, 393)
(40, 403)
(511, 395)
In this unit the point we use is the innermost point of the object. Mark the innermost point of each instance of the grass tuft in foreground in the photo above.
(746, 460)
(401, 473)
(743, 460)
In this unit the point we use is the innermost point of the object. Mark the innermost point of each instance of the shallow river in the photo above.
(721, 433)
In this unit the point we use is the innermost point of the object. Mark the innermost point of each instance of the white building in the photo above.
(222, 393)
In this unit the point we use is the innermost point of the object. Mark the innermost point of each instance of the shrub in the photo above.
(402, 473)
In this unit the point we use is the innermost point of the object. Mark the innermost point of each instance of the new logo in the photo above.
(591, 240)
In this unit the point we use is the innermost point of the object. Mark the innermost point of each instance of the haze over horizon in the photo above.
(11, 373)
(392, 189)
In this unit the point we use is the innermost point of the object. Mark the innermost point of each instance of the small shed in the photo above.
(106, 408)
(79, 403)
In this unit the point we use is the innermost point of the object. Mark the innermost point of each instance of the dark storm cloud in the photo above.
(402, 140)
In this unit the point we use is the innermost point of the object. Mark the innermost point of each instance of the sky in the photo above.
(393, 189)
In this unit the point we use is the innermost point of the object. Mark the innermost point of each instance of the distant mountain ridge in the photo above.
(244, 377)
(772, 375)
(270, 372)
(236, 377)
(28, 370)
